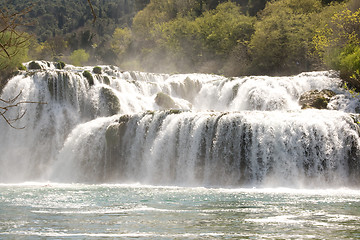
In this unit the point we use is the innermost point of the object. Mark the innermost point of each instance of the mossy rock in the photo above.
(89, 77)
(320, 103)
(34, 66)
(60, 65)
(316, 99)
(97, 70)
(111, 101)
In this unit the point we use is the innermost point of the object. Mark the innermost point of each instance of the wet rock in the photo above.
(89, 77)
(60, 65)
(114, 132)
(112, 135)
(165, 101)
(34, 66)
(110, 101)
(106, 80)
(97, 70)
(133, 75)
(188, 89)
(316, 99)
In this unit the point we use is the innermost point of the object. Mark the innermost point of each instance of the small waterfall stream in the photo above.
(181, 129)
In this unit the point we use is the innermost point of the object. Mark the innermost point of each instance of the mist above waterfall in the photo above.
(181, 129)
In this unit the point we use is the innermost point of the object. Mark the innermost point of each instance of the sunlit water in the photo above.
(52, 211)
(227, 146)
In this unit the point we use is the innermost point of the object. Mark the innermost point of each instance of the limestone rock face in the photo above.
(316, 99)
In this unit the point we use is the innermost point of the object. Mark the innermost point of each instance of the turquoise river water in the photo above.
(212, 157)
(76, 211)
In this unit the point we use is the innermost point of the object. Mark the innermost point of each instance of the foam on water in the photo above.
(229, 132)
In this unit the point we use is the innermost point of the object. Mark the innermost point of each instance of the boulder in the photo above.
(34, 66)
(60, 65)
(97, 70)
(316, 99)
(110, 101)
(115, 131)
(89, 77)
(106, 80)
(165, 101)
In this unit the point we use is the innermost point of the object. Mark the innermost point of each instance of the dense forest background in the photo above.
(239, 37)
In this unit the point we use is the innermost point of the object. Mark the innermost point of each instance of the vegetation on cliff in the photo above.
(239, 37)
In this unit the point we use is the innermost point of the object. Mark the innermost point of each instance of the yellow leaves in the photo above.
(79, 57)
(121, 39)
(322, 40)
(347, 22)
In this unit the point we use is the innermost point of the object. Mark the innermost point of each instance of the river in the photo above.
(135, 155)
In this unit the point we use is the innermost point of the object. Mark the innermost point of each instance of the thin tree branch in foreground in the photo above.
(13, 103)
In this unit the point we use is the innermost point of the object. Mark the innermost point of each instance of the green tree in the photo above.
(79, 57)
(191, 43)
(283, 35)
(221, 29)
(338, 43)
(121, 40)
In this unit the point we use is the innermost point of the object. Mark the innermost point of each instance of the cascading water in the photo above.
(182, 129)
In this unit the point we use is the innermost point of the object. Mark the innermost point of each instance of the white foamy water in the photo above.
(182, 129)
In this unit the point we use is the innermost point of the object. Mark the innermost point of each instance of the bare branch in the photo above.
(10, 38)
(92, 11)
(11, 103)
(12, 100)
(11, 42)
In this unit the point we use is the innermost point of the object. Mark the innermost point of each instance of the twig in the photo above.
(92, 10)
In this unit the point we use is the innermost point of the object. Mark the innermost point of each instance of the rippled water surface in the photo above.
(52, 211)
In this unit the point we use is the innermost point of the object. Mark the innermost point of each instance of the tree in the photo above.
(79, 57)
(187, 41)
(338, 42)
(283, 35)
(222, 28)
(13, 50)
(121, 40)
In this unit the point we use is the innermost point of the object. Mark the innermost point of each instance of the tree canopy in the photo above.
(238, 37)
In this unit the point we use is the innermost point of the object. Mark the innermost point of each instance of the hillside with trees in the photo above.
(239, 37)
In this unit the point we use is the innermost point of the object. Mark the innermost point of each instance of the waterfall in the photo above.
(180, 129)
(296, 148)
